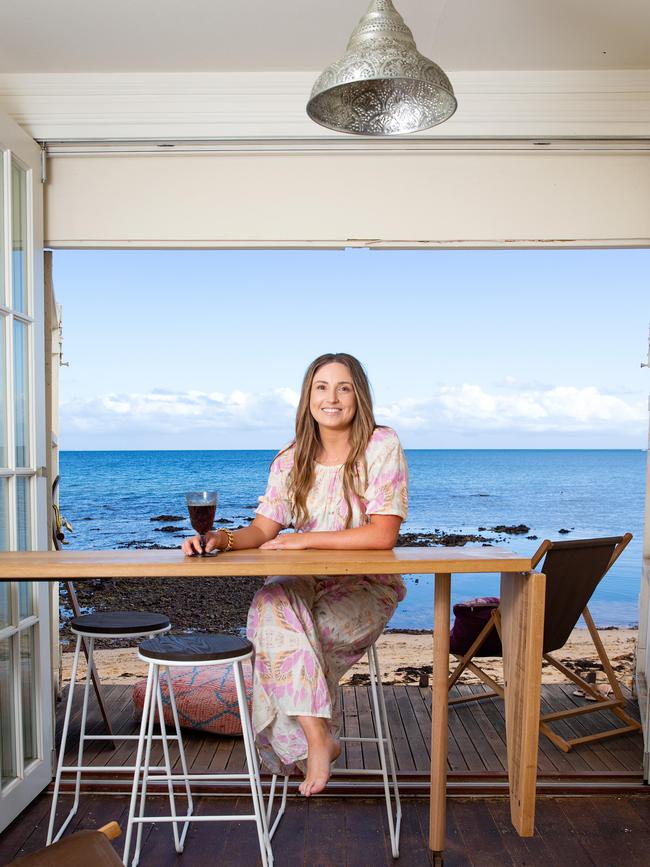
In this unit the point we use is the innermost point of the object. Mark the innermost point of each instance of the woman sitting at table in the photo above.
(343, 485)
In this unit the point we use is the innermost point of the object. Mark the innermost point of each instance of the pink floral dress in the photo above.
(309, 630)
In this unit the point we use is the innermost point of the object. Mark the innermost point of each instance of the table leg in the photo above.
(522, 619)
(439, 696)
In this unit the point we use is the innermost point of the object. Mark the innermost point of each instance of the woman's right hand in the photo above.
(192, 545)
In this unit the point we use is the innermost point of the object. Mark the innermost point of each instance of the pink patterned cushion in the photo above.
(206, 698)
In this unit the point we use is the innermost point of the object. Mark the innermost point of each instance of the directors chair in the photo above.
(573, 570)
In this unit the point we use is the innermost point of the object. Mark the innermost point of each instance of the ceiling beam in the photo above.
(611, 104)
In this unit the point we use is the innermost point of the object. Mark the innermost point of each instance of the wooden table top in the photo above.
(49, 565)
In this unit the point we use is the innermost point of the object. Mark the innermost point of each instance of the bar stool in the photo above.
(386, 761)
(106, 624)
(166, 652)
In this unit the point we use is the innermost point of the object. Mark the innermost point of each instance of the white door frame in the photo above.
(28, 677)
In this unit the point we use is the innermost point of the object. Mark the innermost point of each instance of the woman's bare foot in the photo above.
(322, 750)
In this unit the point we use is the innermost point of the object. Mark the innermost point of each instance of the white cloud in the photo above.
(190, 416)
(559, 408)
(178, 412)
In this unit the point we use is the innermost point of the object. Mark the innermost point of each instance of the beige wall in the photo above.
(213, 199)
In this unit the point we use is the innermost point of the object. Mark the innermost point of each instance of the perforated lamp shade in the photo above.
(382, 85)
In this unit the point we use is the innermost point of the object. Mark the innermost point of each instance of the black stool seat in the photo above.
(195, 648)
(122, 622)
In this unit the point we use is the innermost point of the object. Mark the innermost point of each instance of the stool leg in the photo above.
(147, 764)
(385, 745)
(253, 770)
(148, 693)
(168, 768)
(64, 740)
(84, 717)
(281, 808)
(181, 750)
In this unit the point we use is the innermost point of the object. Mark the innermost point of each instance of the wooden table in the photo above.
(522, 614)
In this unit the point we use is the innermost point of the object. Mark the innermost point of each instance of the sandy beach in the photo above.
(406, 658)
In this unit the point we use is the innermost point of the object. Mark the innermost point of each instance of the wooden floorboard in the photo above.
(353, 832)
(477, 741)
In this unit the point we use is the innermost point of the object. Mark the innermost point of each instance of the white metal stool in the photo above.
(166, 652)
(106, 624)
(386, 761)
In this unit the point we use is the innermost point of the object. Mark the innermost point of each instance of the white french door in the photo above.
(26, 737)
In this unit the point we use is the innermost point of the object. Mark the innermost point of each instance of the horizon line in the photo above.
(406, 448)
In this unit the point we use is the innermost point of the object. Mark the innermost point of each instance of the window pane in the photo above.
(7, 743)
(25, 603)
(23, 514)
(21, 393)
(5, 607)
(19, 237)
(3, 299)
(3, 389)
(4, 522)
(28, 693)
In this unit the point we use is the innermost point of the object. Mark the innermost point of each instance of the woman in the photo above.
(342, 484)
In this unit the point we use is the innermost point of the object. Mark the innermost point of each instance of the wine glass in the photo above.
(202, 506)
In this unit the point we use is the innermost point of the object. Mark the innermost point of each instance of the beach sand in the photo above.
(406, 658)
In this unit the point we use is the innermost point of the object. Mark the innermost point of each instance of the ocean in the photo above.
(111, 498)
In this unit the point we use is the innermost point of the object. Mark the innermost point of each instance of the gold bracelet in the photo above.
(231, 539)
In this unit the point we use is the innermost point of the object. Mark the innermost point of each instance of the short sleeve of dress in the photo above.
(387, 489)
(275, 503)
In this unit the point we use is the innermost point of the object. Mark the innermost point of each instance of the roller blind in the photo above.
(330, 199)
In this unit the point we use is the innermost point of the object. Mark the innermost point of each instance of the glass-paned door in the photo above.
(26, 738)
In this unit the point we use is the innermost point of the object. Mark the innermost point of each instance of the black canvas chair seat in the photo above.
(573, 570)
(119, 622)
(195, 648)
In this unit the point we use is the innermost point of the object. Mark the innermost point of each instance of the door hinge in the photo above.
(43, 163)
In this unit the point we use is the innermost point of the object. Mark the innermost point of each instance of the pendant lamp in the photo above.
(382, 85)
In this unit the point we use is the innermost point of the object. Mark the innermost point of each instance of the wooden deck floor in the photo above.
(601, 829)
(477, 750)
(351, 832)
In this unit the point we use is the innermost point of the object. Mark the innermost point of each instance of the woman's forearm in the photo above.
(356, 538)
(259, 531)
(253, 536)
(246, 537)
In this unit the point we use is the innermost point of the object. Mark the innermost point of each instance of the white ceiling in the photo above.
(41, 36)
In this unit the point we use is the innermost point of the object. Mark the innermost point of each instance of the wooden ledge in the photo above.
(54, 565)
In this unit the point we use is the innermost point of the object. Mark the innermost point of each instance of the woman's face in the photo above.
(332, 401)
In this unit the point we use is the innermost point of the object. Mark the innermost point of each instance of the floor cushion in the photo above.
(206, 697)
(469, 619)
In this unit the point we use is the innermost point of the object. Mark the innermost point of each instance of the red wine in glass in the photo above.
(202, 506)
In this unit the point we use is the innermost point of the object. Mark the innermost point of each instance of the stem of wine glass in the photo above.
(202, 539)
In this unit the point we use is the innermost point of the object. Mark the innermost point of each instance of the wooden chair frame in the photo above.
(75, 850)
(600, 702)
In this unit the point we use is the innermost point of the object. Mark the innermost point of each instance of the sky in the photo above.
(464, 348)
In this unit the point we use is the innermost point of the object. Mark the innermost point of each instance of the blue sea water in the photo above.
(110, 498)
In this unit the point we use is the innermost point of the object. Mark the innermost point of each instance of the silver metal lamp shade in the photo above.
(382, 85)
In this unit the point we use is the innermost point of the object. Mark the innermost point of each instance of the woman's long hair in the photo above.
(308, 443)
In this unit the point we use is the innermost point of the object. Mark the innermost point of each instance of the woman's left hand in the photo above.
(287, 542)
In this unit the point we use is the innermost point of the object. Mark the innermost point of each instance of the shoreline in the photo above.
(405, 658)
